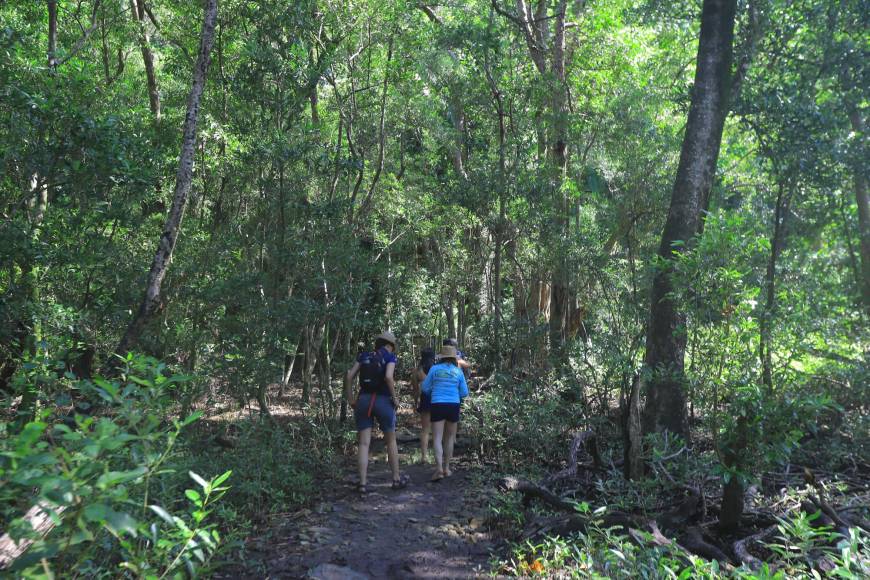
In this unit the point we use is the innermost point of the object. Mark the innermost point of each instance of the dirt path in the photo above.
(427, 530)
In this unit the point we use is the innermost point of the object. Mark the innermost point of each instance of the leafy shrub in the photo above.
(106, 481)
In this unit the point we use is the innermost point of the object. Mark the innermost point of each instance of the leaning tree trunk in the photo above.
(183, 178)
(666, 335)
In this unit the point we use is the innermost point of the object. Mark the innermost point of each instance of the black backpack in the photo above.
(372, 372)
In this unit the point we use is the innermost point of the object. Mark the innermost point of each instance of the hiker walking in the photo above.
(460, 356)
(446, 385)
(376, 400)
(423, 400)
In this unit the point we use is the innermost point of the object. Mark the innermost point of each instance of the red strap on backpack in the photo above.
(371, 405)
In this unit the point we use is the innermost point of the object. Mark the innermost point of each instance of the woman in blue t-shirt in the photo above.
(446, 386)
(376, 401)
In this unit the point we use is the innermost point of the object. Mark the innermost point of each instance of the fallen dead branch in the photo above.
(586, 442)
(531, 490)
(40, 519)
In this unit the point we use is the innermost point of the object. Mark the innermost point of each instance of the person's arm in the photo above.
(348, 383)
(463, 386)
(463, 364)
(391, 382)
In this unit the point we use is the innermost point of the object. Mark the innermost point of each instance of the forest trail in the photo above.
(427, 530)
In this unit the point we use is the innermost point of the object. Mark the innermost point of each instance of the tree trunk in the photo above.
(166, 245)
(560, 296)
(138, 9)
(863, 201)
(764, 322)
(733, 493)
(666, 334)
(52, 34)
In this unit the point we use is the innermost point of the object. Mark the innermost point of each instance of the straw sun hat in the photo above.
(387, 337)
(446, 352)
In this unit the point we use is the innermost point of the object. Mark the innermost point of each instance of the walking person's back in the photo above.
(446, 386)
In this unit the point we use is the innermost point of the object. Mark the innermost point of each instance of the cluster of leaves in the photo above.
(106, 481)
(800, 550)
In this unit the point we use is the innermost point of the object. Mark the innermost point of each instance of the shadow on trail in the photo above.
(427, 530)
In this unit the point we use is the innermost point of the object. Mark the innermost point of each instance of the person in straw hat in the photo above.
(446, 386)
(376, 400)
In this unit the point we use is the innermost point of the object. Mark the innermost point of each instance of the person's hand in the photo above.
(353, 405)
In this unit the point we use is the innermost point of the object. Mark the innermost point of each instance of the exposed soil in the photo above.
(427, 530)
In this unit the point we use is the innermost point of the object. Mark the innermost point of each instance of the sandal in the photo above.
(402, 482)
(362, 488)
(437, 476)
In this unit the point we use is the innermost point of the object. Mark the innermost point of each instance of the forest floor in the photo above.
(427, 530)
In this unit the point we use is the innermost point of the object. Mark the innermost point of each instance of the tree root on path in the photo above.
(741, 548)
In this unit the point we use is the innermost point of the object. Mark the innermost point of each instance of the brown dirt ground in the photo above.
(427, 530)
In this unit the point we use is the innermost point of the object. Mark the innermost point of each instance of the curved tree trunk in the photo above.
(166, 245)
(666, 334)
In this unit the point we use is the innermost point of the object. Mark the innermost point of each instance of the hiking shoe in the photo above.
(402, 482)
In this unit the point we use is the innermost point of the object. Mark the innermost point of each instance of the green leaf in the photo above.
(222, 478)
(193, 496)
(164, 515)
(203, 483)
(113, 478)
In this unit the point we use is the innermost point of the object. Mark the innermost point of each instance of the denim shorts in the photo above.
(382, 410)
(445, 412)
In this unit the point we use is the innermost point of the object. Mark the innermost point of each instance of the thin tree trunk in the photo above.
(764, 323)
(666, 334)
(382, 135)
(138, 9)
(863, 201)
(168, 238)
(289, 363)
(560, 294)
(52, 34)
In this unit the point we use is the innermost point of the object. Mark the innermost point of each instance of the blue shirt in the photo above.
(445, 383)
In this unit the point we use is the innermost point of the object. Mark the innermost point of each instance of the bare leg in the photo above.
(450, 439)
(426, 426)
(437, 435)
(365, 439)
(393, 453)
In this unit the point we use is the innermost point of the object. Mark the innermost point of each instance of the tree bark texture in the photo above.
(183, 179)
(666, 335)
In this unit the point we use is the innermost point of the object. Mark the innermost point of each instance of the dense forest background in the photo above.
(649, 221)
